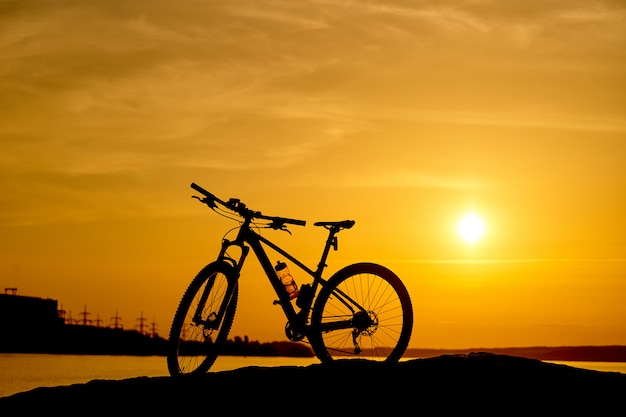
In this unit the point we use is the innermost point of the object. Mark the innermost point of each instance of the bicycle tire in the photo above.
(192, 350)
(381, 330)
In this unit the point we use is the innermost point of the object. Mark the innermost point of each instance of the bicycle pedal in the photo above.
(276, 302)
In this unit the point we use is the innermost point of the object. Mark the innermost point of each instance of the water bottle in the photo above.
(285, 277)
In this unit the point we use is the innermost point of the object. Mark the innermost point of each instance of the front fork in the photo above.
(214, 319)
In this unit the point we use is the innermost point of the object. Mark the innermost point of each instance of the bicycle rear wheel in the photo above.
(196, 337)
(363, 312)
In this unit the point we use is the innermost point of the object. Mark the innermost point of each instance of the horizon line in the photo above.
(507, 260)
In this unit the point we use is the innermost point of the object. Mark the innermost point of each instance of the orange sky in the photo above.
(401, 115)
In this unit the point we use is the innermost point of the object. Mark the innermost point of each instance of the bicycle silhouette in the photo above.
(362, 311)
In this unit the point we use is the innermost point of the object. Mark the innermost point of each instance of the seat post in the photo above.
(330, 241)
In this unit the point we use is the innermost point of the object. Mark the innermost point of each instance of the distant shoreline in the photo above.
(609, 353)
(54, 336)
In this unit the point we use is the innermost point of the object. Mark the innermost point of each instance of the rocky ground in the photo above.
(477, 383)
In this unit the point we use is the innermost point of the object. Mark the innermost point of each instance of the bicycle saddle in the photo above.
(344, 224)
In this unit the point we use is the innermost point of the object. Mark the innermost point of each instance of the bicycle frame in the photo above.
(248, 239)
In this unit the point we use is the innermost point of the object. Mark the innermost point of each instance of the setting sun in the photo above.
(471, 228)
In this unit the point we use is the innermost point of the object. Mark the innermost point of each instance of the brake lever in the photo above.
(279, 226)
(209, 202)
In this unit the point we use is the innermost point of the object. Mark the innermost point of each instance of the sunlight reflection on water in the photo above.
(595, 366)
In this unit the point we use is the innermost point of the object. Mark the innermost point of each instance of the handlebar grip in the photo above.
(297, 222)
(201, 190)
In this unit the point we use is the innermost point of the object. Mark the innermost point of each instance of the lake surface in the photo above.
(21, 372)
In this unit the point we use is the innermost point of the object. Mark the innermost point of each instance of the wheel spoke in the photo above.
(375, 304)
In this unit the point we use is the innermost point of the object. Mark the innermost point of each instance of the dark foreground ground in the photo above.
(476, 384)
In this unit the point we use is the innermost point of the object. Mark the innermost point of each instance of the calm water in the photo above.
(23, 372)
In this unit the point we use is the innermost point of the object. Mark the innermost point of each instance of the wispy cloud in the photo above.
(118, 88)
(404, 179)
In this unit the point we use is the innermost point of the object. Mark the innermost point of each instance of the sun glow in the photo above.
(471, 228)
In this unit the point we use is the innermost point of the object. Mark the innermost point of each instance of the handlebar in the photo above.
(240, 208)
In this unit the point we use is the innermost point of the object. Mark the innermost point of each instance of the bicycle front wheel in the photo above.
(202, 321)
(363, 312)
